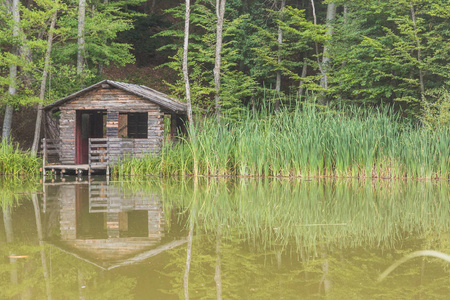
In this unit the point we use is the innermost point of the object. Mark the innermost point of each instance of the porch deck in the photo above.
(101, 153)
(98, 158)
(76, 168)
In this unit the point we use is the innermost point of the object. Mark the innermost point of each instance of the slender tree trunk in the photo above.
(7, 221)
(316, 46)
(186, 79)
(100, 65)
(188, 260)
(37, 130)
(41, 245)
(280, 46)
(218, 273)
(419, 52)
(331, 15)
(81, 17)
(185, 63)
(314, 12)
(326, 269)
(190, 240)
(7, 121)
(300, 86)
(220, 12)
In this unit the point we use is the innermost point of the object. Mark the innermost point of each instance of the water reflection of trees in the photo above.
(324, 229)
(256, 240)
(308, 214)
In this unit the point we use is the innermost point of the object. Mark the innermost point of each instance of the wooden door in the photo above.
(82, 137)
(89, 124)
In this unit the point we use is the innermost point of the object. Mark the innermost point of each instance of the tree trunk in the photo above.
(37, 129)
(326, 269)
(316, 46)
(190, 240)
(218, 273)
(100, 65)
(186, 79)
(331, 15)
(300, 86)
(185, 63)
(9, 232)
(7, 121)
(419, 53)
(40, 234)
(220, 12)
(81, 17)
(280, 44)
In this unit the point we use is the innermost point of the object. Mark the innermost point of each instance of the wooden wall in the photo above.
(67, 136)
(114, 101)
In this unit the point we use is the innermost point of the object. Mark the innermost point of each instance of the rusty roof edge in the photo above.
(160, 98)
(67, 98)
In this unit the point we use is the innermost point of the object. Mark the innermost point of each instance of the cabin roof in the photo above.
(136, 89)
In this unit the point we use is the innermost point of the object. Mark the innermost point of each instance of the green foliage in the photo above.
(15, 162)
(299, 38)
(103, 23)
(236, 85)
(249, 55)
(31, 48)
(65, 81)
(437, 110)
(378, 53)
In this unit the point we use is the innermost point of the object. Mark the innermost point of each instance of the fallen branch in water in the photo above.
(335, 224)
(35, 193)
(411, 256)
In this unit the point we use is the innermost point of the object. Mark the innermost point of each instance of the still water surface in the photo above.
(159, 238)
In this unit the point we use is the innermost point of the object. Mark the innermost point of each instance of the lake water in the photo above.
(162, 238)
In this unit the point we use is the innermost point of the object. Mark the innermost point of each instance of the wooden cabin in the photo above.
(106, 122)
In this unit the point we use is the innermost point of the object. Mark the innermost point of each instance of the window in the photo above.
(133, 125)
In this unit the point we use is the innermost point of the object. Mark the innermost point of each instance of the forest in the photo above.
(241, 62)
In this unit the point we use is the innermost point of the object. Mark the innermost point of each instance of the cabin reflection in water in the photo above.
(102, 223)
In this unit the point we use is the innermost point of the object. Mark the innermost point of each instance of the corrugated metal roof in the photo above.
(138, 90)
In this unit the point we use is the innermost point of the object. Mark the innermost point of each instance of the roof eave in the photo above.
(65, 99)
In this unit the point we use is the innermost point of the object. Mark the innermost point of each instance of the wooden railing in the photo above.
(50, 151)
(98, 152)
(102, 151)
(110, 150)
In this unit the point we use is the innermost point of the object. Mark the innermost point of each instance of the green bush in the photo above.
(15, 162)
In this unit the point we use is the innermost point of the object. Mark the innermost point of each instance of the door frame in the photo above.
(82, 144)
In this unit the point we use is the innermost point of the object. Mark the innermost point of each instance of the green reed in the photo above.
(304, 142)
(15, 162)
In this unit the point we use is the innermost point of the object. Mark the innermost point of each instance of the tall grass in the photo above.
(305, 142)
(15, 162)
